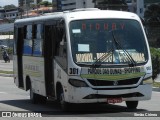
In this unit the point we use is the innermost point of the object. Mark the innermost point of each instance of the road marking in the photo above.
(3, 93)
(156, 92)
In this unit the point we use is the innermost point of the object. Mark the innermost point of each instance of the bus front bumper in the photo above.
(89, 95)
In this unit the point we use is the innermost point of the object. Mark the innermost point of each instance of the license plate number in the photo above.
(114, 100)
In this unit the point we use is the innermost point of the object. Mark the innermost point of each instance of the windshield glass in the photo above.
(117, 41)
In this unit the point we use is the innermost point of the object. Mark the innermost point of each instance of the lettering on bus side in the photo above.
(88, 57)
(114, 71)
(105, 26)
(31, 67)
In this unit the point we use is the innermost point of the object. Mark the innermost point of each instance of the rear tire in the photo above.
(132, 104)
(35, 98)
(42, 99)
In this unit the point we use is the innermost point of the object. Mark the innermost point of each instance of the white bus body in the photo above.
(57, 55)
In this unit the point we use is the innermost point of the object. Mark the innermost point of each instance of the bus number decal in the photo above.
(73, 71)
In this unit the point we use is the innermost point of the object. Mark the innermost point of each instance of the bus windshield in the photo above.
(109, 41)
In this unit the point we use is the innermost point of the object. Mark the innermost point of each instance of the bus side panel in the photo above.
(15, 70)
(61, 76)
(33, 67)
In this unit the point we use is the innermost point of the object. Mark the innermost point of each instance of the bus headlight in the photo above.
(148, 81)
(77, 83)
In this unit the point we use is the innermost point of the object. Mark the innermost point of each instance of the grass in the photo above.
(6, 72)
(156, 84)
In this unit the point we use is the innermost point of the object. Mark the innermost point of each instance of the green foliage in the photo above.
(155, 55)
(45, 3)
(10, 51)
(152, 24)
(156, 84)
(8, 7)
(152, 14)
(6, 72)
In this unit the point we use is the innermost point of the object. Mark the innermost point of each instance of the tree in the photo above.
(45, 3)
(155, 55)
(8, 7)
(111, 4)
(152, 14)
(152, 22)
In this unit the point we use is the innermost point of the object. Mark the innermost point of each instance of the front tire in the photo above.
(64, 105)
(132, 104)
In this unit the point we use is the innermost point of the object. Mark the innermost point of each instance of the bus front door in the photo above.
(48, 58)
(19, 57)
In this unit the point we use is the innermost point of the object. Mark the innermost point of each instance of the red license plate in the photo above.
(114, 100)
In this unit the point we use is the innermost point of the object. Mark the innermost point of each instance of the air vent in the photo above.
(85, 9)
(132, 81)
(54, 13)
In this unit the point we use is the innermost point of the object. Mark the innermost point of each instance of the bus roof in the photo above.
(79, 14)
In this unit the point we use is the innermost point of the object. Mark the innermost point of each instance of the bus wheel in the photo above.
(132, 104)
(42, 99)
(63, 103)
(33, 96)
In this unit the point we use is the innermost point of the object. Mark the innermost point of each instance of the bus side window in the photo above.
(25, 32)
(38, 40)
(27, 48)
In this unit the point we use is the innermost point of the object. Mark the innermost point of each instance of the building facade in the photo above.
(11, 14)
(74, 4)
(2, 12)
(136, 6)
(26, 2)
(37, 1)
(139, 6)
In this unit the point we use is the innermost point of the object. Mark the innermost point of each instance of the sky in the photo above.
(14, 2)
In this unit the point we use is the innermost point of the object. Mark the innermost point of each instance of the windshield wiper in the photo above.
(129, 58)
(132, 62)
(106, 55)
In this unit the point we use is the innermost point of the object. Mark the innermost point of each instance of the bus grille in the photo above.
(113, 83)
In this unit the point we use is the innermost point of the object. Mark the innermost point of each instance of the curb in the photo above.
(157, 89)
(6, 75)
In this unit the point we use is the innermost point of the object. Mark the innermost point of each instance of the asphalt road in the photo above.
(6, 66)
(14, 99)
